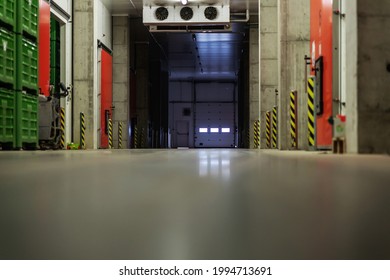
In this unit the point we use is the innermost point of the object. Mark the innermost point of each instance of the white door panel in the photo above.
(214, 125)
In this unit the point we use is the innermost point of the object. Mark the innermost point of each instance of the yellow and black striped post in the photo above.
(256, 133)
(120, 129)
(293, 119)
(142, 141)
(82, 131)
(275, 127)
(110, 141)
(268, 128)
(135, 136)
(62, 120)
(248, 137)
(311, 116)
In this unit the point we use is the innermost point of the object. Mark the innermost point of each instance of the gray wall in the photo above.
(83, 92)
(120, 95)
(373, 77)
(294, 44)
(268, 59)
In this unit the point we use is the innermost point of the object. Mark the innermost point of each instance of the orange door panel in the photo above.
(321, 46)
(106, 97)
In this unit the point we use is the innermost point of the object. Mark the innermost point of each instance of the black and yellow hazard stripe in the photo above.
(62, 121)
(256, 133)
(82, 131)
(135, 136)
(142, 140)
(110, 132)
(268, 128)
(120, 135)
(248, 138)
(293, 120)
(274, 127)
(311, 116)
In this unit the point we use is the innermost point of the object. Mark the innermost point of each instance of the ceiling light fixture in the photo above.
(184, 2)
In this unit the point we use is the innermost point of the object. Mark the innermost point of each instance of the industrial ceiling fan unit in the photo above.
(194, 13)
(186, 13)
(161, 13)
(211, 13)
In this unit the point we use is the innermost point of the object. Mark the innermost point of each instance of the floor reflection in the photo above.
(215, 164)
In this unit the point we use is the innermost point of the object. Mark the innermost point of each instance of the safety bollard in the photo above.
(256, 133)
(82, 130)
(268, 129)
(62, 120)
(110, 140)
(120, 135)
(293, 120)
(275, 127)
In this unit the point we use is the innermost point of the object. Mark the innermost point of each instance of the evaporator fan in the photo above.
(162, 13)
(211, 13)
(186, 13)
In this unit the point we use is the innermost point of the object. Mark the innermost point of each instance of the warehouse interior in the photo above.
(194, 129)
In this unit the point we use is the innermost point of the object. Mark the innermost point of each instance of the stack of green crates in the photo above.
(19, 74)
(7, 74)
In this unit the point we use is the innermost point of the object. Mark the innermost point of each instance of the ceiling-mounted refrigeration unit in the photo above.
(191, 18)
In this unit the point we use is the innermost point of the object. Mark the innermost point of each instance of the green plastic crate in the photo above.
(27, 125)
(7, 118)
(8, 12)
(27, 17)
(7, 57)
(27, 64)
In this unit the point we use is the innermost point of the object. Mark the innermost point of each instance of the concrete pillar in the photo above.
(83, 48)
(121, 68)
(268, 59)
(367, 76)
(294, 44)
(254, 92)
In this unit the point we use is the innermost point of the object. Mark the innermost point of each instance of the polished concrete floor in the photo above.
(193, 204)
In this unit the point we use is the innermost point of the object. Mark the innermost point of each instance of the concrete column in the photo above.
(83, 48)
(367, 76)
(294, 44)
(254, 92)
(121, 67)
(268, 59)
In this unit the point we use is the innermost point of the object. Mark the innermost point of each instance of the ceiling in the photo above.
(203, 56)
(211, 56)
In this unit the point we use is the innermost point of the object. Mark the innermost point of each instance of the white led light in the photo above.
(214, 130)
(184, 2)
